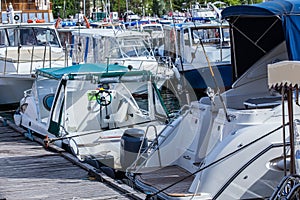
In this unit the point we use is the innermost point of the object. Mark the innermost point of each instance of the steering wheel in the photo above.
(103, 97)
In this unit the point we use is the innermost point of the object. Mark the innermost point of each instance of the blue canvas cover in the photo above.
(268, 8)
(258, 28)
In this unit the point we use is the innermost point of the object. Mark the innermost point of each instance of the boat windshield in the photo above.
(39, 36)
(152, 27)
(206, 35)
(133, 47)
(216, 41)
(120, 48)
(90, 104)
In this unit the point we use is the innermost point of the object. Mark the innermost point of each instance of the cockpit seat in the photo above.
(263, 102)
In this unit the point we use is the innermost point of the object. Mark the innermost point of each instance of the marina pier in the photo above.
(28, 170)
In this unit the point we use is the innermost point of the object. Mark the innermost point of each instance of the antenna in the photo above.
(178, 53)
(215, 81)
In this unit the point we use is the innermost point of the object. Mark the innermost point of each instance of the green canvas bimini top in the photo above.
(58, 72)
(103, 70)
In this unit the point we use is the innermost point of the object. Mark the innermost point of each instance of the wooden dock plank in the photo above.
(29, 171)
(164, 177)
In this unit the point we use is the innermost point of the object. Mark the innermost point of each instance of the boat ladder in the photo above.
(144, 155)
(288, 188)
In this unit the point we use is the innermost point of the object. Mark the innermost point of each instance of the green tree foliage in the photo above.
(119, 6)
(141, 7)
(65, 8)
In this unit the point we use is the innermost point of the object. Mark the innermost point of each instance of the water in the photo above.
(170, 99)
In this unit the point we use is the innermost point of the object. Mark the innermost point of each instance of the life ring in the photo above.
(87, 24)
(172, 35)
(16, 17)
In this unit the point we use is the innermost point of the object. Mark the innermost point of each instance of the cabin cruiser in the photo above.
(94, 110)
(283, 76)
(218, 148)
(197, 46)
(25, 47)
(128, 48)
(230, 145)
(156, 32)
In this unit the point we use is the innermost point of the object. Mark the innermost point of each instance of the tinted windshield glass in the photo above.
(29, 36)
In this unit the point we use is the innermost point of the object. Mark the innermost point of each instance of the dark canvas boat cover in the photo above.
(258, 28)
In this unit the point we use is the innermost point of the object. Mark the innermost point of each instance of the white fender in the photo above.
(176, 73)
(17, 119)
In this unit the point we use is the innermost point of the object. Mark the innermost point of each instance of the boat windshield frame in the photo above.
(15, 36)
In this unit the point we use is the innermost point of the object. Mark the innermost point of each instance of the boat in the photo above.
(21, 11)
(65, 36)
(95, 111)
(156, 33)
(64, 30)
(128, 48)
(283, 77)
(202, 11)
(80, 21)
(25, 47)
(130, 16)
(230, 145)
(210, 11)
(194, 46)
(27, 33)
(117, 26)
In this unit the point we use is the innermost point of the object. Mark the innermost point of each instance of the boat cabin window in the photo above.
(13, 35)
(28, 36)
(46, 36)
(206, 35)
(3, 38)
(48, 101)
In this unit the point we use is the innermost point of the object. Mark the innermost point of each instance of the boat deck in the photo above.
(29, 171)
(164, 177)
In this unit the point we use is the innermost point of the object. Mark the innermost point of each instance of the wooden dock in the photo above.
(29, 171)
